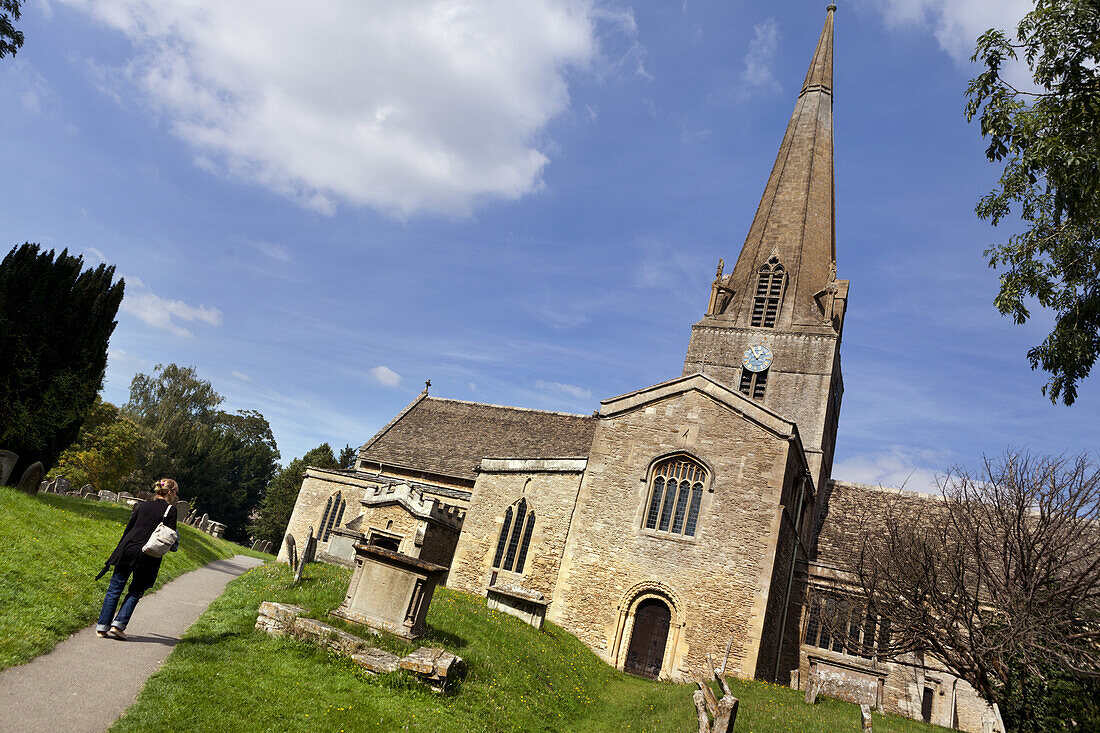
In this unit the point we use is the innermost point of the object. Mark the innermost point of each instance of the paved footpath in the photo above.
(86, 682)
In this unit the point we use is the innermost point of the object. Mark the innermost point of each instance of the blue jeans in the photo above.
(107, 617)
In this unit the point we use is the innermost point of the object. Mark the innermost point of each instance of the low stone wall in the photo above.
(430, 665)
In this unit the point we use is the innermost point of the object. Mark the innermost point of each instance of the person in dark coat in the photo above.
(131, 563)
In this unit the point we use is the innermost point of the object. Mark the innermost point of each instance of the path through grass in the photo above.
(53, 547)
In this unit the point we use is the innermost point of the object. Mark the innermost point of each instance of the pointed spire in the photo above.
(820, 75)
(795, 216)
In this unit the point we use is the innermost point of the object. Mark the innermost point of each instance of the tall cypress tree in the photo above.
(55, 321)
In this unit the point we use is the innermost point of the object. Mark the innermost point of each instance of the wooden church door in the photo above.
(647, 642)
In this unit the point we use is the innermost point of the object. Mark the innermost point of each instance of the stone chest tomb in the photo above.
(390, 591)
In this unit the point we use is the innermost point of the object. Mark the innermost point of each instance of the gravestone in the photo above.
(291, 551)
(62, 485)
(310, 553)
(87, 489)
(104, 495)
(255, 544)
(813, 687)
(7, 463)
(182, 510)
(217, 529)
(267, 547)
(31, 478)
(46, 487)
(865, 716)
(204, 523)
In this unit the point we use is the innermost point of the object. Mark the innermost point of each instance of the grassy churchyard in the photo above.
(225, 675)
(54, 547)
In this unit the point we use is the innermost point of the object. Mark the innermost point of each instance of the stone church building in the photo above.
(684, 518)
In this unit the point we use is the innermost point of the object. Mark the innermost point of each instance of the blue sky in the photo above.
(522, 202)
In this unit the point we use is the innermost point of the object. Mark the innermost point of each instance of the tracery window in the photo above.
(769, 294)
(754, 384)
(333, 514)
(676, 492)
(843, 625)
(515, 538)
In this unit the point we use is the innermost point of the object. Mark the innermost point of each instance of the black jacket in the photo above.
(128, 555)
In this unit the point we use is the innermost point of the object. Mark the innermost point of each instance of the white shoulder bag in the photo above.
(162, 539)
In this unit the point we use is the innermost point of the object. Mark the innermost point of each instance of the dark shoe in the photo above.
(117, 633)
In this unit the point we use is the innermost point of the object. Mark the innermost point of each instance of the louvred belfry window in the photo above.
(675, 495)
(515, 538)
(769, 294)
(754, 384)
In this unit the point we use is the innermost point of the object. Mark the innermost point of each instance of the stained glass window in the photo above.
(676, 494)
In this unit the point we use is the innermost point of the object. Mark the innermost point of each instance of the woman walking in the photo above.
(133, 564)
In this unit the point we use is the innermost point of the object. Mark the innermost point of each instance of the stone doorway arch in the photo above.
(645, 654)
(648, 631)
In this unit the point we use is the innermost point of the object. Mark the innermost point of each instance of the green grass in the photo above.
(224, 675)
(53, 547)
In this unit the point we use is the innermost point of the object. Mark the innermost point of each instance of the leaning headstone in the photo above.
(813, 687)
(310, 554)
(62, 485)
(267, 546)
(87, 488)
(46, 487)
(254, 545)
(31, 479)
(865, 716)
(204, 523)
(7, 463)
(291, 551)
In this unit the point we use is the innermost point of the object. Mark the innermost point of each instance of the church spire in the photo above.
(794, 227)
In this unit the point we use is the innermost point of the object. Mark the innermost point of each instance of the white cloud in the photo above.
(571, 390)
(757, 75)
(93, 256)
(241, 376)
(957, 24)
(19, 80)
(386, 376)
(277, 252)
(406, 105)
(162, 313)
(895, 469)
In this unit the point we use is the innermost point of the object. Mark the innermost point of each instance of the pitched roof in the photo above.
(450, 437)
(850, 512)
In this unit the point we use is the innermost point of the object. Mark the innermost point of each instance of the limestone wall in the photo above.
(550, 488)
(716, 582)
(900, 686)
(800, 379)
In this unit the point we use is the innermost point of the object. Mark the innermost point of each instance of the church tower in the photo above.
(773, 325)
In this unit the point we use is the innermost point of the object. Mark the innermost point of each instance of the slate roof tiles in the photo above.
(450, 437)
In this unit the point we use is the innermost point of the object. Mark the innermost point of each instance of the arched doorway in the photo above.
(647, 642)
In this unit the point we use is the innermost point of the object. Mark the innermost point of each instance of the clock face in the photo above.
(757, 358)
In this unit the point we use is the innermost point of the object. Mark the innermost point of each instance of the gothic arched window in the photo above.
(769, 294)
(676, 492)
(515, 538)
(334, 512)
